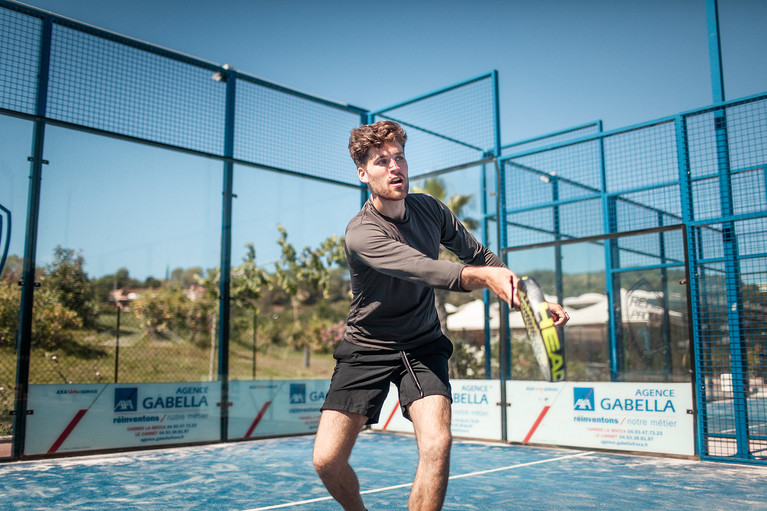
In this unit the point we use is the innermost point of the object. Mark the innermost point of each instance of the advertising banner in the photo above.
(69, 418)
(276, 407)
(643, 417)
(476, 411)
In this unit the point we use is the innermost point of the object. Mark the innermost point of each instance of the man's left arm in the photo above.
(457, 239)
(485, 269)
(503, 282)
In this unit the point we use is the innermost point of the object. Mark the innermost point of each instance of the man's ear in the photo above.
(363, 175)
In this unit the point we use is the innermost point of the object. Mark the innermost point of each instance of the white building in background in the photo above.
(589, 309)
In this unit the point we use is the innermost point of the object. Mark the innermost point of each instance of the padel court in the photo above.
(668, 316)
(278, 474)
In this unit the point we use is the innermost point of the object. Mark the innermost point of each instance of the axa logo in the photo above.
(126, 399)
(297, 393)
(583, 399)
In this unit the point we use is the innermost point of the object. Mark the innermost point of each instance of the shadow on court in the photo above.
(278, 474)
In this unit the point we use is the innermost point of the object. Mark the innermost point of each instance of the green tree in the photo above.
(10, 298)
(248, 280)
(304, 277)
(300, 275)
(201, 309)
(151, 283)
(186, 277)
(456, 202)
(53, 322)
(67, 279)
(13, 269)
(158, 311)
(201, 312)
(121, 279)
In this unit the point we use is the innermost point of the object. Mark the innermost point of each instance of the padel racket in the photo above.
(541, 331)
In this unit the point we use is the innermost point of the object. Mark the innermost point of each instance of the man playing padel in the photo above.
(393, 334)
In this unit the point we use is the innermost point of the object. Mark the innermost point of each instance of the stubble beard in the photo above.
(392, 194)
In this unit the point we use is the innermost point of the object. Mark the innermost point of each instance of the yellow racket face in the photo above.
(541, 330)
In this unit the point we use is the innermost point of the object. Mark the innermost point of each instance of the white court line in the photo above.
(399, 486)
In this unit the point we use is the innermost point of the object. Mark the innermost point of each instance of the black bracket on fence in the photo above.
(227, 404)
(29, 412)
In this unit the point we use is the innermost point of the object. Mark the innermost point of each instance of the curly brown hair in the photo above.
(373, 135)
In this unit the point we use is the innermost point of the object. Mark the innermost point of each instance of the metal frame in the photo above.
(687, 223)
(40, 120)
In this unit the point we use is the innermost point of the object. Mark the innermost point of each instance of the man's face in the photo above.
(386, 172)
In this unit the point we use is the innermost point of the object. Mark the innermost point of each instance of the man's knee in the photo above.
(327, 460)
(336, 435)
(436, 446)
(324, 465)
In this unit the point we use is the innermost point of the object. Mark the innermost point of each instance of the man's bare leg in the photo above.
(333, 445)
(431, 420)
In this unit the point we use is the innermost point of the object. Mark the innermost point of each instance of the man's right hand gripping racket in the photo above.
(541, 330)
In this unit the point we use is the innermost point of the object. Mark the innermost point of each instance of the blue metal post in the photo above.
(693, 248)
(24, 336)
(485, 292)
(224, 309)
(614, 294)
(504, 340)
(738, 358)
(558, 284)
(612, 287)
(666, 325)
(715, 50)
(365, 118)
(503, 241)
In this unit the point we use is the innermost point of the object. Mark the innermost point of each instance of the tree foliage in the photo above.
(54, 324)
(305, 276)
(66, 278)
(13, 269)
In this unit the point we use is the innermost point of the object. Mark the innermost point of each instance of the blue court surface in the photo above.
(278, 474)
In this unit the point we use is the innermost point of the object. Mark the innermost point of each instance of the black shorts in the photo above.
(362, 376)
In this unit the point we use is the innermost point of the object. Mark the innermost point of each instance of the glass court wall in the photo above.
(125, 163)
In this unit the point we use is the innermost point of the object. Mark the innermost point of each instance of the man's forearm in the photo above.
(499, 280)
(503, 282)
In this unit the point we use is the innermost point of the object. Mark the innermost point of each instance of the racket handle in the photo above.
(513, 294)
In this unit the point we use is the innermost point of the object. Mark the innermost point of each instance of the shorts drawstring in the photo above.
(412, 373)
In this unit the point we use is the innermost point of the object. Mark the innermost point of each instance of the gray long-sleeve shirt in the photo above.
(394, 269)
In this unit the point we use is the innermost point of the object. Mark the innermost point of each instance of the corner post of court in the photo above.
(230, 78)
(738, 351)
(28, 284)
(715, 50)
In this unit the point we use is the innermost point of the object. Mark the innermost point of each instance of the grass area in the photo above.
(170, 358)
(153, 361)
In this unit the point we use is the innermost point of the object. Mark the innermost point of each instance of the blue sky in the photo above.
(560, 63)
